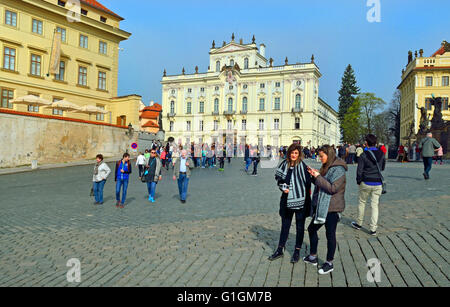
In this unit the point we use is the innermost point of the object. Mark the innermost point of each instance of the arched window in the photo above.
(244, 104)
(216, 105)
(172, 107)
(232, 63)
(246, 63)
(230, 104)
(298, 101)
(218, 66)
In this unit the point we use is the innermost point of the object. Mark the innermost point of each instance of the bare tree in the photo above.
(394, 117)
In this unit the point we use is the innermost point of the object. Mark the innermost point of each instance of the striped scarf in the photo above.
(297, 186)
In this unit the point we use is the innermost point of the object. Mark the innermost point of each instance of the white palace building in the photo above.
(244, 98)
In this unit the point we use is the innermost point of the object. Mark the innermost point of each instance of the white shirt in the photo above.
(141, 160)
(183, 165)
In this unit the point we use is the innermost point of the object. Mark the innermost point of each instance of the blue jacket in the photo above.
(127, 170)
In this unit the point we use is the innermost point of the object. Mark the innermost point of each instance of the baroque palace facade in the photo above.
(423, 77)
(89, 57)
(244, 98)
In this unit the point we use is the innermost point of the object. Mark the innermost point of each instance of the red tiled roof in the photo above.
(150, 115)
(156, 107)
(99, 6)
(150, 124)
(441, 51)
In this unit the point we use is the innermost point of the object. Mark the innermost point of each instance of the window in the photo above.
(35, 65)
(261, 104)
(173, 92)
(216, 105)
(188, 107)
(216, 88)
(101, 117)
(83, 41)
(61, 3)
(103, 48)
(37, 26)
(298, 101)
(299, 83)
(103, 19)
(276, 124)
(34, 109)
(277, 84)
(63, 33)
(429, 81)
(445, 104)
(11, 18)
(244, 104)
(102, 80)
(445, 81)
(62, 70)
(188, 125)
(428, 104)
(200, 124)
(262, 85)
(9, 58)
(229, 124)
(261, 124)
(171, 126)
(202, 107)
(232, 63)
(82, 76)
(218, 66)
(7, 95)
(202, 89)
(216, 125)
(245, 86)
(230, 105)
(277, 104)
(246, 63)
(189, 90)
(244, 124)
(84, 12)
(297, 124)
(231, 87)
(55, 111)
(172, 107)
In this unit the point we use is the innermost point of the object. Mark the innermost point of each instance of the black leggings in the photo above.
(286, 221)
(330, 227)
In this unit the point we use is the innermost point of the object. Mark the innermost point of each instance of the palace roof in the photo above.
(99, 6)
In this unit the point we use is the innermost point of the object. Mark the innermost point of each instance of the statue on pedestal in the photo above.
(424, 121)
(437, 122)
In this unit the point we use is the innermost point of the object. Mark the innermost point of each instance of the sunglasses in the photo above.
(153, 152)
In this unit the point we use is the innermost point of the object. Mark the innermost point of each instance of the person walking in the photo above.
(294, 181)
(440, 154)
(152, 174)
(247, 159)
(370, 182)
(101, 173)
(140, 163)
(122, 176)
(327, 203)
(163, 157)
(182, 173)
(256, 159)
(147, 154)
(428, 147)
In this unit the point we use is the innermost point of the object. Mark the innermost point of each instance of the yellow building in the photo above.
(88, 67)
(244, 98)
(423, 77)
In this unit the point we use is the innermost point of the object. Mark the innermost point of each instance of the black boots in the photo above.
(278, 254)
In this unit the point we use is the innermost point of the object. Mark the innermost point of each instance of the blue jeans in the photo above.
(247, 163)
(183, 182)
(120, 183)
(203, 161)
(151, 186)
(98, 191)
(427, 163)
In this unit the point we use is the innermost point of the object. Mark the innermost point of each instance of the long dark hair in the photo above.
(331, 154)
(292, 148)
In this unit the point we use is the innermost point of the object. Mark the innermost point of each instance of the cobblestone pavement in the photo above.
(222, 236)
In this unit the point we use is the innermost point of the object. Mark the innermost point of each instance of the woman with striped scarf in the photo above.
(295, 182)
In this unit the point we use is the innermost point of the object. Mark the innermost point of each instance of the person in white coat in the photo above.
(101, 173)
(141, 161)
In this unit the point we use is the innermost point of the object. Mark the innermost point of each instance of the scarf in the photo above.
(96, 167)
(297, 186)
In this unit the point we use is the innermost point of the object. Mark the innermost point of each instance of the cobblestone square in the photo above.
(221, 237)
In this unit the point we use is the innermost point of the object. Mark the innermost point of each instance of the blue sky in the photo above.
(174, 34)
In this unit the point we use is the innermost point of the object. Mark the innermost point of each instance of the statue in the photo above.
(437, 122)
(424, 122)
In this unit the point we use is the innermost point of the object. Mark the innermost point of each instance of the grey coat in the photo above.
(157, 171)
(428, 146)
(176, 168)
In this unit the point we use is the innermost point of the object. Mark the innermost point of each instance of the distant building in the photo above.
(422, 77)
(150, 118)
(89, 59)
(244, 98)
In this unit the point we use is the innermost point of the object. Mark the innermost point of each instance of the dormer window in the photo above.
(103, 19)
(189, 90)
(84, 12)
(218, 66)
(246, 63)
(61, 3)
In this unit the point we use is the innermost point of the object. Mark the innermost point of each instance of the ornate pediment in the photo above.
(232, 47)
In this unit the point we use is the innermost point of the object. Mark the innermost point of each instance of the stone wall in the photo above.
(27, 138)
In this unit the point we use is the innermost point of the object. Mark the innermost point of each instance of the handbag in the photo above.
(384, 191)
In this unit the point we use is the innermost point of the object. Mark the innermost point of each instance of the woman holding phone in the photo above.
(294, 182)
(327, 203)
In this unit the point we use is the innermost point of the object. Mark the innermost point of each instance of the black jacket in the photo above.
(367, 169)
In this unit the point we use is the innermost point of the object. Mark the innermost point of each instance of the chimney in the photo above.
(262, 50)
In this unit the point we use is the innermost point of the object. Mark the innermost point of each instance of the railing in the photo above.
(215, 113)
(243, 112)
(228, 113)
(171, 114)
(297, 110)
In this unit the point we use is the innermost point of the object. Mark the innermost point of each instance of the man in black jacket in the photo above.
(368, 178)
